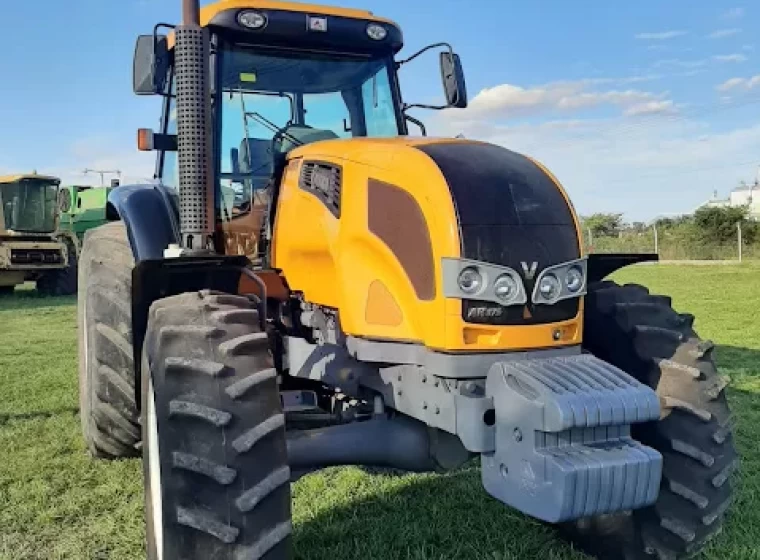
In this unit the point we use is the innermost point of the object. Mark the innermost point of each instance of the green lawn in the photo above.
(57, 503)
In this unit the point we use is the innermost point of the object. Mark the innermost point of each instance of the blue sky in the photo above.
(640, 107)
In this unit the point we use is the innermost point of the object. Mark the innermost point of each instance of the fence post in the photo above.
(739, 232)
(656, 240)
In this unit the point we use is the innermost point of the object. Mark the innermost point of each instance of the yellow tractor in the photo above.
(311, 286)
(31, 246)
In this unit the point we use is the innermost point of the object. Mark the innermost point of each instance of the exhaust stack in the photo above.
(194, 146)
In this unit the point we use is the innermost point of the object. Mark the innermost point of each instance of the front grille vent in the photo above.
(324, 180)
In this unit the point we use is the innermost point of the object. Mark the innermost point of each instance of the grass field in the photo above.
(56, 503)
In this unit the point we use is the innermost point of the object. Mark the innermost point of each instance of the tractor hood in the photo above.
(509, 210)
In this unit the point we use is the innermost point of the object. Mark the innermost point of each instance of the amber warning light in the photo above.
(147, 141)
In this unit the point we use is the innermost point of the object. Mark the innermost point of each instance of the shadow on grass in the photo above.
(37, 415)
(433, 517)
(31, 299)
(746, 360)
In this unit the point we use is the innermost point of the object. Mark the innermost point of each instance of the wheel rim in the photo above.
(154, 469)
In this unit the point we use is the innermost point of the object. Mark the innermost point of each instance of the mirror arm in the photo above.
(400, 63)
(422, 106)
(418, 123)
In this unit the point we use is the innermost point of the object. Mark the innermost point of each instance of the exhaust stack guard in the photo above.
(563, 446)
(196, 178)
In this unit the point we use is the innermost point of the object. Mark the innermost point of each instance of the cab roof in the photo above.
(5, 179)
(210, 11)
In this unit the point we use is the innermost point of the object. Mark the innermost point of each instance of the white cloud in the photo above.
(722, 33)
(565, 96)
(744, 84)
(653, 163)
(660, 35)
(690, 73)
(664, 107)
(736, 57)
(675, 62)
(699, 63)
(733, 13)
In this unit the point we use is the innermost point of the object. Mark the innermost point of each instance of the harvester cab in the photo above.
(307, 285)
(30, 249)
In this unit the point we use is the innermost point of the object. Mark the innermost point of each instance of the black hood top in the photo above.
(510, 213)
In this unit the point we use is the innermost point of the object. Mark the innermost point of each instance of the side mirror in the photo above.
(452, 76)
(150, 65)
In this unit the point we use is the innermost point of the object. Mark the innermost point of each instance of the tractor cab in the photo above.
(273, 102)
(282, 77)
(29, 204)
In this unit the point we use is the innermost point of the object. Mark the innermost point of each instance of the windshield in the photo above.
(272, 102)
(30, 205)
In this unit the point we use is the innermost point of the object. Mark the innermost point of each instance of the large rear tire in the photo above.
(642, 334)
(217, 481)
(107, 401)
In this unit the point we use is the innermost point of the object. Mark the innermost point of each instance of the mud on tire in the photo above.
(108, 409)
(642, 334)
(219, 432)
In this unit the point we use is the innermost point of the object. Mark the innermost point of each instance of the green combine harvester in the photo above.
(83, 208)
(32, 245)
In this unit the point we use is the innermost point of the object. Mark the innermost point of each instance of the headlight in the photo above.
(574, 279)
(252, 20)
(549, 287)
(560, 282)
(376, 32)
(505, 288)
(470, 280)
(467, 279)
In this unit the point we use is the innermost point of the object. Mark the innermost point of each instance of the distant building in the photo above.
(743, 195)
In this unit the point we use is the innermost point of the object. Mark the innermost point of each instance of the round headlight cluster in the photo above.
(505, 287)
(470, 280)
(252, 19)
(549, 287)
(376, 32)
(574, 279)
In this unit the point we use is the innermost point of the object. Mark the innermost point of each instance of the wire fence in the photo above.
(670, 247)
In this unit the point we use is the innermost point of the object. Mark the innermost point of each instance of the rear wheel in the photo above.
(217, 481)
(107, 396)
(642, 334)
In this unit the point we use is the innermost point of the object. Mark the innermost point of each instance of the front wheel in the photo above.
(217, 481)
(641, 334)
(63, 281)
